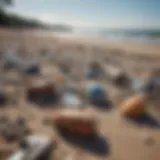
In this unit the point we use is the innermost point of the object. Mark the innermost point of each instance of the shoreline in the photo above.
(25, 37)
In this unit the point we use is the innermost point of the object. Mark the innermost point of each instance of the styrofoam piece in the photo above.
(71, 100)
(36, 144)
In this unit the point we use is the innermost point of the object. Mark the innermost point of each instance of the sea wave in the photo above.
(113, 35)
(124, 35)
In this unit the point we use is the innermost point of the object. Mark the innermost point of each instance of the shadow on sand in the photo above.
(107, 105)
(44, 101)
(96, 145)
(148, 120)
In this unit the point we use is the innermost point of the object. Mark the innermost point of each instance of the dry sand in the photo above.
(123, 139)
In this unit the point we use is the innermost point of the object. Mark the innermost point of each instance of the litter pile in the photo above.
(72, 117)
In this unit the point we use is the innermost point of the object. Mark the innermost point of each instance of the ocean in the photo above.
(123, 35)
(147, 36)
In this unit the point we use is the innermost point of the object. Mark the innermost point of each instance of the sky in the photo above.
(93, 13)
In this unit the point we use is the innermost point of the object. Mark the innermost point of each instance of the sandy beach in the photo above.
(124, 139)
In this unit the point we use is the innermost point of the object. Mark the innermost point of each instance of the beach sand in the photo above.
(121, 139)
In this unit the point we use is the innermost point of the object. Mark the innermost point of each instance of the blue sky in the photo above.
(98, 13)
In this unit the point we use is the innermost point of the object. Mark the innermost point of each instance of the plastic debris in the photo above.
(34, 147)
(71, 100)
(42, 93)
(11, 60)
(95, 71)
(140, 85)
(76, 122)
(97, 95)
(116, 75)
(149, 85)
(133, 107)
(95, 74)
